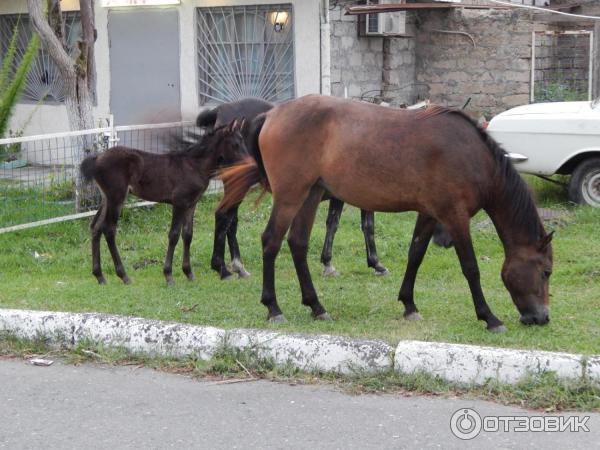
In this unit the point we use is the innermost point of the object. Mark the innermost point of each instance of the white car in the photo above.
(555, 138)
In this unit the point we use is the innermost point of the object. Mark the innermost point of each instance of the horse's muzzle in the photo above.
(540, 317)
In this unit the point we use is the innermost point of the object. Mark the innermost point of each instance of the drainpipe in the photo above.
(325, 49)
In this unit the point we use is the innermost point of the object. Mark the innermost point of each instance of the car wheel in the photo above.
(584, 187)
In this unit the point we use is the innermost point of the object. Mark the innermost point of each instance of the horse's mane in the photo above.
(193, 143)
(513, 189)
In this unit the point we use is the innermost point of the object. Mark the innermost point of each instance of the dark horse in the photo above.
(179, 178)
(437, 162)
(226, 220)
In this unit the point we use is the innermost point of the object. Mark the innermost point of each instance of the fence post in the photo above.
(595, 42)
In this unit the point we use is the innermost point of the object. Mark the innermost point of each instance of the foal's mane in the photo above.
(193, 143)
(512, 188)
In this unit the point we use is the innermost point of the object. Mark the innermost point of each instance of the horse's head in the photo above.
(228, 144)
(526, 275)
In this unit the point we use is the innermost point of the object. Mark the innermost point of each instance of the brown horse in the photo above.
(437, 162)
(178, 177)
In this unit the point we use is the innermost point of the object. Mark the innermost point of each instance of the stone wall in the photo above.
(484, 55)
(359, 67)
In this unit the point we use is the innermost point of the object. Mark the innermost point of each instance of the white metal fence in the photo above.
(39, 175)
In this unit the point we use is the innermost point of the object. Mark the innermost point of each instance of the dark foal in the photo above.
(226, 221)
(179, 178)
(437, 162)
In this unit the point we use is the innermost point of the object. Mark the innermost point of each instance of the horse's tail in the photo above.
(240, 177)
(88, 167)
(207, 118)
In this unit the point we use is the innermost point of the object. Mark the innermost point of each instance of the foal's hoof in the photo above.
(381, 271)
(329, 271)
(191, 277)
(243, 273)
(280, 318)
(497, 329)
(126, 280)
(323, 316)
(238, 267)
(227, 277)
(101, 280)
(413, 317)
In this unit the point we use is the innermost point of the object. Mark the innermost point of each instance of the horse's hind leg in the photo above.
(217, 262)
(282, 214)
(187, 234)
(96, 231)
(459, 230)
(418, 247)
(174, 232)
(298, 239)
(333, 219)
(367, 225)
(234, 249)
(111, 218)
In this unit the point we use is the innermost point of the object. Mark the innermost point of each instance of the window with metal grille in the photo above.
(245, 51)
(44, 83)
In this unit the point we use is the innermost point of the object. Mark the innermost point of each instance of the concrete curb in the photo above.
(468, 364)
(475, 365)
(155, 337)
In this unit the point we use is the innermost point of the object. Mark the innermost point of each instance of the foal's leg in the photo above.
(459, 230)
(111, 218)
(234, 249)
(367, 224)
(298, 239)
(217, 262)
(418, 247)
(187, 235)
(333, 219)
(176, 223)
(96, 231)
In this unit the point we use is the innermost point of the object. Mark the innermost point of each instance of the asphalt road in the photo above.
(88, 406)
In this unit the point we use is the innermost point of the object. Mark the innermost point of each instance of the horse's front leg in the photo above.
(418, 246)
(298, 240)
(111, 218)
(367, 225)
(333, 219)
(174, 232)
(236, 260)
(461, 236)
(187, 236)
(217, 262)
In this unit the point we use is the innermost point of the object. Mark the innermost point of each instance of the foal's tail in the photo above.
(88, 167)
(239, 178)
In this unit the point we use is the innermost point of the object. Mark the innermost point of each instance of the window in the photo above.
(44, 83)
(245, 51)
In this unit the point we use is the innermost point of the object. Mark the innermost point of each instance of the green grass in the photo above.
(362, 304)
(544, 392)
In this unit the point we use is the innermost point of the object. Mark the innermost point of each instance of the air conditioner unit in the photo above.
(383, 24)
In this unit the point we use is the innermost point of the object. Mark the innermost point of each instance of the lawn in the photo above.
(49, 268)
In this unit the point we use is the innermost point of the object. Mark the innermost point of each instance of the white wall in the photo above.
(53, 118)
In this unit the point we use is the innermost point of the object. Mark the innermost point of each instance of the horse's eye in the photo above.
(546, 274)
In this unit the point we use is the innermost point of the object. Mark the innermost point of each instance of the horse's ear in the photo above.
(545, 241)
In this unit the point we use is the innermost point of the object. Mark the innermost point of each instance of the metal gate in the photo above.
(245, 51)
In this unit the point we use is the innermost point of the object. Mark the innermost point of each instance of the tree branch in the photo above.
(86, 8)
(49, 39)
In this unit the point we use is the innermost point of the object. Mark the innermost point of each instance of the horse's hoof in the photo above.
(101, 280)
(170, 282)
(126, 280)
(497, 329)
(381, 271)
(414, 317)
(323, 316)
(280, 318)
(191, 277)
(243, 273)
(227, 277)
(329, 271)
